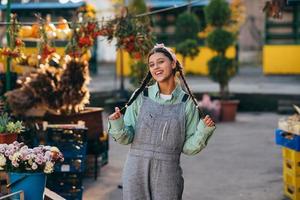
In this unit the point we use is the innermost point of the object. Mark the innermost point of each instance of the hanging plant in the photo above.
(85, 33)
(44, 48)
(132, 34)
(15, 44)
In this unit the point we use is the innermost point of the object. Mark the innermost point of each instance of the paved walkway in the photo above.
(241, 162)
(249, 80)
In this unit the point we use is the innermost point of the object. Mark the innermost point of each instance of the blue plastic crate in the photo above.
(61, 182)
(73, 195)
(76, 165)
(72, 150)
(288, 140)
(66, 135)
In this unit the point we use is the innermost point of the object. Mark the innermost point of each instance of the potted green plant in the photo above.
(27, 167)
(221, 68)
(9, 130)
(187, 29)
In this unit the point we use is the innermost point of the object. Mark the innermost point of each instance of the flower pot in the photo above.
(33, 184)
(8, 138)
(228, 110)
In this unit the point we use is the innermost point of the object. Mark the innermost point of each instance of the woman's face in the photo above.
(161, 67)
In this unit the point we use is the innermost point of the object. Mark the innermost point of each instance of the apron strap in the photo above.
(185, 97)
(145, 92)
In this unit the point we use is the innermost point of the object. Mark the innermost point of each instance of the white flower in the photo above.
(48, 167)
(54, 149)
(30, 161)
(2, 149)
(2, 160)
(15, 163)
(16, 157)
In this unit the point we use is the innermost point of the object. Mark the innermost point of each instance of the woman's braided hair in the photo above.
(167, 52)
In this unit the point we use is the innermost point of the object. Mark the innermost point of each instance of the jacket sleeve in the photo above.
(197, 133)
(122, 129)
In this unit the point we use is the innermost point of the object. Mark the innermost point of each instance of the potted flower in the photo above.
(27, 167)
(9, 130)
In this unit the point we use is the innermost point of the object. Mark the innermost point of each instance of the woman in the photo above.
(160, 122)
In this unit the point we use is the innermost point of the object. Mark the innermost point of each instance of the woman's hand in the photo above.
(116, 115)
(208, 121)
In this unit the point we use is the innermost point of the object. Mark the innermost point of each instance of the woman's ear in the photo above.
(173, 64)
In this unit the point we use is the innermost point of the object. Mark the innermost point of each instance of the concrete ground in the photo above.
(241, 162)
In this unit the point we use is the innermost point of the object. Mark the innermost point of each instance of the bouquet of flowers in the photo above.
(18, 157)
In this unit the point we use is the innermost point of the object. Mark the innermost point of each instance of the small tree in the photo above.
(221, 68)
(187, 28)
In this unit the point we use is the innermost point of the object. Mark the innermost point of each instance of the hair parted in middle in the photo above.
(160, 48)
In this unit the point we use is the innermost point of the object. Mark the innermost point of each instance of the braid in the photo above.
(179, 69)
(138, 91)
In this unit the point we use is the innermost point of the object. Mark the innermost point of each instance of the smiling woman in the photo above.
(160, 122)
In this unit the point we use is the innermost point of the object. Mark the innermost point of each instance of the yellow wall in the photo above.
(281, 59)
(196, 66)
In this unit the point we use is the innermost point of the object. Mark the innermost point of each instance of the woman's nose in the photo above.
(155, 66)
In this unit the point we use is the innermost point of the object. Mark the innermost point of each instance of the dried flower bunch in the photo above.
(17, 157)
(62, 91)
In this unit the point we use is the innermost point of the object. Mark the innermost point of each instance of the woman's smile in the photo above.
(159, 72)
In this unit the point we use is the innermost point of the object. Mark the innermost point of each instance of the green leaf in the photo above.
(222, 69)
(188, 48)
(217, 13)
(219, 40)
(187, 27)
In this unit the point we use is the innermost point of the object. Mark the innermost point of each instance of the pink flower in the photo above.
(34, 166)
(17, 155)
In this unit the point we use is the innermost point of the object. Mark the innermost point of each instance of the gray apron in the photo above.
(152, 170)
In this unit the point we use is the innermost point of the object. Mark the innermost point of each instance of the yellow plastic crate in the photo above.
(291, 161)
(291, 185)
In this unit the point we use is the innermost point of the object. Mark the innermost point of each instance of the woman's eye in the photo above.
(160, 62)
(151, 65)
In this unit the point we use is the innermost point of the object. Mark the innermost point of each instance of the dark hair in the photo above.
(149, 76)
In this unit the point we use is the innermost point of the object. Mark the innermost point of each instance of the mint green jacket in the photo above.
(197, 133)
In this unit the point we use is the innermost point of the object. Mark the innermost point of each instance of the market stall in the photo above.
(52, 60)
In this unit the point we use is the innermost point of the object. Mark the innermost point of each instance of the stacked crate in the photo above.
(67, 177)
(291, 162)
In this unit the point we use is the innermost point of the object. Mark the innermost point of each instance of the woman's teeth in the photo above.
(158, 73)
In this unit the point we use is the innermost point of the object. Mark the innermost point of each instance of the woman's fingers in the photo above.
(115, 115)
(208, 121)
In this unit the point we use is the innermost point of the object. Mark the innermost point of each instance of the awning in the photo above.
(165, 4)
(36, 6)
